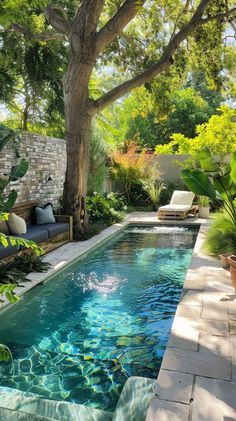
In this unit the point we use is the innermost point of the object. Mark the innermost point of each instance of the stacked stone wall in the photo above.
(47, 164)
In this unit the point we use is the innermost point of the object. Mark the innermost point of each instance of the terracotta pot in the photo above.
(224, 257)
(232, 261)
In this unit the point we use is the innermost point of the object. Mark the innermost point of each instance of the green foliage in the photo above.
(203, 201)
(218, 134)
(221, 236)
(108, 208)
(153, 188)
(131, 168)
(215, 179)
(7, 288)
(5, 353)
(98, 164)
(27, 263)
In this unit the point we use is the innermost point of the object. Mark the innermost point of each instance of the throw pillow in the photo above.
(16, 224)
(4, 228)
(44, 215)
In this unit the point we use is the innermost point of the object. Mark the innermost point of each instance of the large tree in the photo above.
(93, 30)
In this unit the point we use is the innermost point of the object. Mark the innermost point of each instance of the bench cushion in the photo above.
(7, 251)
(35, 233)
(55, 229)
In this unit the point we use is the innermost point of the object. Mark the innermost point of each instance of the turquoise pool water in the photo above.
(103, 319)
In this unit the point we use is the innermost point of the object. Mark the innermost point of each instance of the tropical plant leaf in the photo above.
(8, 205)
(199, 183)
(19, 170)
(233, 167)
(206, 160)
(6, 135)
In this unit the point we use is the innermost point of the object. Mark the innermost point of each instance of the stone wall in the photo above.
(47, 163)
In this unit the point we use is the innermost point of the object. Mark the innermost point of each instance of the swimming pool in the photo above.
(101, 320)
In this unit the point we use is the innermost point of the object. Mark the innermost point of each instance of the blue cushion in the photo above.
(44, 215)
(55, 229)
(7, 251)
(35, 233)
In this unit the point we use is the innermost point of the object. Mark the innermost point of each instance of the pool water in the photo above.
(103, 319)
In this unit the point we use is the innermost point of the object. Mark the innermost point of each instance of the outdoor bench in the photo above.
(47, 236)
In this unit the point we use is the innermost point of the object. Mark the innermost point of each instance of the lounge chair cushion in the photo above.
(175, 208)
(55, 229)
(180, 197)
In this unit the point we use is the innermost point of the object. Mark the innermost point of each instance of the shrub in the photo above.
(218, 134)
(108, 208)
(130, 168)
(221, 236)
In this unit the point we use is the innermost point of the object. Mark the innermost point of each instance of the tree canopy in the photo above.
(142, 39)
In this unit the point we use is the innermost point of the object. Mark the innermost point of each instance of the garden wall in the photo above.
(168, 166)
(47, 163)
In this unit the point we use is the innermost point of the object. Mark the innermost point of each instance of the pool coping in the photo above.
(199, 363)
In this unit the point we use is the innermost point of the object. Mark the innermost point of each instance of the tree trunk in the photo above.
(78, 133)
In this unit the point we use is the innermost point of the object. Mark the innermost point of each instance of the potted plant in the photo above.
(224, 258)
(204, 206)
(232, 261)
(153, 188)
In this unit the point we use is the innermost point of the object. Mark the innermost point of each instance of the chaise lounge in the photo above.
(181, 205)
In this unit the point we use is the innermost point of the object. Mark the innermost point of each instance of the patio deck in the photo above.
(197, 380)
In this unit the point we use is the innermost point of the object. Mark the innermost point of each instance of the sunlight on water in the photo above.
(105, 318)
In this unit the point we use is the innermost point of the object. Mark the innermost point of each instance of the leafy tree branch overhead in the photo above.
(94, 31)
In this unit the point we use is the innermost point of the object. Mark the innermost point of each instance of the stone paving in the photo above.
(197, 380)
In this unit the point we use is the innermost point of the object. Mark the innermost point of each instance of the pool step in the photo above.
(134, 399)
(11, 415)
(52, 410)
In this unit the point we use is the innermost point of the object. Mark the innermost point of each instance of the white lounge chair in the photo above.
(181, 205)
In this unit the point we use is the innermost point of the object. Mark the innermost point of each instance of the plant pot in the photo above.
(204, 212)
(224, 257)
(232, 261)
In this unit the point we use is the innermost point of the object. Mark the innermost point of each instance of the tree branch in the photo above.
(219, 16)
(87, 16)
(114, 26)
(47, 36)
(164, 62)
(61, 25)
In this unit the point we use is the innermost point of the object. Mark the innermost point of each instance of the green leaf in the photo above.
(233, 167)
(3, 240)
(6, 135)
(3, 183)
(206, 160)
(199, 183)
(19, 170)
(5, 353)
(8, 205)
